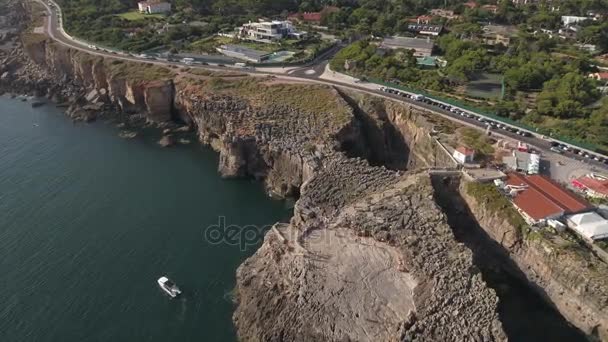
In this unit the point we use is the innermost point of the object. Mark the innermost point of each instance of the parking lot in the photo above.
(564, 169)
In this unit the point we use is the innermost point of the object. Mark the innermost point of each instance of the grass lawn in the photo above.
(136, 15)
(209, 44)
(485, 86)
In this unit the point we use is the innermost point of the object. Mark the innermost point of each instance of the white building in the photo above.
(268, 31)
(568, 20)
(464, 155)
(152, 7)
(523, 162)
(589, 225)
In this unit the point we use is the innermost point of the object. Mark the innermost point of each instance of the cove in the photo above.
(90, 221)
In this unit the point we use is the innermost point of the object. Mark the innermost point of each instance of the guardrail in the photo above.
(476, 111)
(591, 148)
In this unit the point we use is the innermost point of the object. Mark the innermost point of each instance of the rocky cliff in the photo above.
(567, 274)
(398, 135)
(387, 266)
(367, 257)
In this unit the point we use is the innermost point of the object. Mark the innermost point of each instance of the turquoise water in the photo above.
(89, 221)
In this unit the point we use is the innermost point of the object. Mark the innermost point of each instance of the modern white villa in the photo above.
(268, 31)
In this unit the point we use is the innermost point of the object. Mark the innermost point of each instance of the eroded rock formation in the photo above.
(368, 255)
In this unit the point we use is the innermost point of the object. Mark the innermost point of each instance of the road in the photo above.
(309, 73)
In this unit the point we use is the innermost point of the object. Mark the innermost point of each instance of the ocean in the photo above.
(90, 221)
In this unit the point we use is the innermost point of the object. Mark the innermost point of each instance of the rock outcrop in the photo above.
(369, 249)
(368, 254)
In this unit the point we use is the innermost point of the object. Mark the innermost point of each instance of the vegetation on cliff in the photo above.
(317, 100)
(497, 204)
(139, 71)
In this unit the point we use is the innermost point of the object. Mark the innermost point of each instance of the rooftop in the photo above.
(590, 225)
(596, 184)
(505, 30)
(306, 16)
(603, 75)
(542, 198)
(424, 27)
(522, 161)
(408, 43)
(466, 151)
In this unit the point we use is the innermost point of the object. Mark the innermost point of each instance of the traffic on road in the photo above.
(491, 125)
(452, 112)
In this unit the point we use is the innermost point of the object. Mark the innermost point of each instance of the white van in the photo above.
(418, 97)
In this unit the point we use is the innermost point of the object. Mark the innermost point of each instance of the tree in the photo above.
(566, 97)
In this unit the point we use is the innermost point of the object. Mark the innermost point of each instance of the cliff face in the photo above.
(398, 135)
(266, 137)
(571, 278)
(389, 247)
(266, 140)
(130, 87)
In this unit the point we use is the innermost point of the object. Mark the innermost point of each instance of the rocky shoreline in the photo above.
(367, 246)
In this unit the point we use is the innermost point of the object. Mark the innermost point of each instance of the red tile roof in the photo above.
(595, 184)
(306, 16)
(465, 151)
(543, 198)
(313, 16)
(470, 4)
(603, 75)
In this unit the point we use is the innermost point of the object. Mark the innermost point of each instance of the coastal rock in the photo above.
(371, 251)
(127, 134)
(166, 141)
(402, 275)
(158, 97)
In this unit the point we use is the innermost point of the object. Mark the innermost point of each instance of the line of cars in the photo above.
(456, 110)
(560, 148)
(556, 146)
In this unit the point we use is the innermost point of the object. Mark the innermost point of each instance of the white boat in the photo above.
(169, 287)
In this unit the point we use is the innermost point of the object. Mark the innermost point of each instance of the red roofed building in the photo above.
(490, 8)
(593, 185)
(312, 17)
(600, 76)
(424, 19)
(470, 4)
(538, 198)
(464, 155)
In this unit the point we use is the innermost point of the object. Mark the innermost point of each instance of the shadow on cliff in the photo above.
(382, 144)
(524, 311)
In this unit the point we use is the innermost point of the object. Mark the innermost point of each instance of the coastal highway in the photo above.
(310, 73)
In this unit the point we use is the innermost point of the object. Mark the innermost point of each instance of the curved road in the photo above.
(309, 73)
